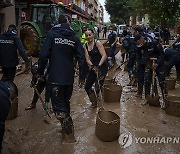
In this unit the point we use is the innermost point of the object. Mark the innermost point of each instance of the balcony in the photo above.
(78, 9)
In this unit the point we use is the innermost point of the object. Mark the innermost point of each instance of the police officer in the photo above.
(149, 48)
(172, 58)
(112, 38)
(176, 44)
(130, 47)
(9, 43)
(40, 85)
(8, 92)
(60, 48)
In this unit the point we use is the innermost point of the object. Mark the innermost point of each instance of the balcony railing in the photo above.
(78, 9)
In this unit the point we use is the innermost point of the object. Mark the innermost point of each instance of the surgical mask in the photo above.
(140, 45)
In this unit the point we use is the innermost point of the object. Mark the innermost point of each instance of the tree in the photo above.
(118, 10)
(162, 12)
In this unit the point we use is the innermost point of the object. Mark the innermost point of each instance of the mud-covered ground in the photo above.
(30, 134)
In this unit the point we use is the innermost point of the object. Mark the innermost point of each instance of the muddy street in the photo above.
(32, 132)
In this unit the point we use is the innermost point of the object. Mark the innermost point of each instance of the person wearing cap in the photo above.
(9, 43)
(148, 48)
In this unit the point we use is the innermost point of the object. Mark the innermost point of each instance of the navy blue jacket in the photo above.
(112, 37)
(151, 49)
(170, 54)
(61, 47)
(129, 44)
(4, 100)
(176, 45)
(9, 43)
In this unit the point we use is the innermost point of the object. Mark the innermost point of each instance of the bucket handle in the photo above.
(101, 109)
(112, 122)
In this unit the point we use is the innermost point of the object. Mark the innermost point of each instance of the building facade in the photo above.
(7, 14)
(17, 11)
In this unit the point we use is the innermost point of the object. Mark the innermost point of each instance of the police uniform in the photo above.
(172, 58)
(60, 47)
(176, 45)
(111, 38)
(130, 46)
(9, 43)
(5, 102)
(151, 49)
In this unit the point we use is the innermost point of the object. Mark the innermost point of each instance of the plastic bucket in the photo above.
(112, 92)
(173, 105)
(107, 125)
(171, 82)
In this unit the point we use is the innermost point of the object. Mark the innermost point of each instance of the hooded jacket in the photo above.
(9, 43)
(61, 46)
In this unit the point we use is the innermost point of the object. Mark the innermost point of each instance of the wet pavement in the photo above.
(30, 133)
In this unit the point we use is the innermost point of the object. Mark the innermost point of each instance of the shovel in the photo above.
(40, 97)
(114, 71)
(153, 99)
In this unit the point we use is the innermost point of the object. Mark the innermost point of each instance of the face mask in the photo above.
(139, 45)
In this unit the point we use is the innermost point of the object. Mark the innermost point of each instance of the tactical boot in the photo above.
(31, 106)
(68, 130)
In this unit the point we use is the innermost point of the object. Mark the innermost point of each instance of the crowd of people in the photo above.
(62, 49)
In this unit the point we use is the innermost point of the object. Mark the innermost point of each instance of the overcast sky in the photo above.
(106, 15)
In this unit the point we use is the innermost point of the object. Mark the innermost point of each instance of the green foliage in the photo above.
(162, 12)
(118, 10)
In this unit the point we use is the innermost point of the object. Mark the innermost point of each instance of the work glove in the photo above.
(27, 68)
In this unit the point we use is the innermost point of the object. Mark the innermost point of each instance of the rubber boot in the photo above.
(93, 99)
(68, 130)
(140, 91)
